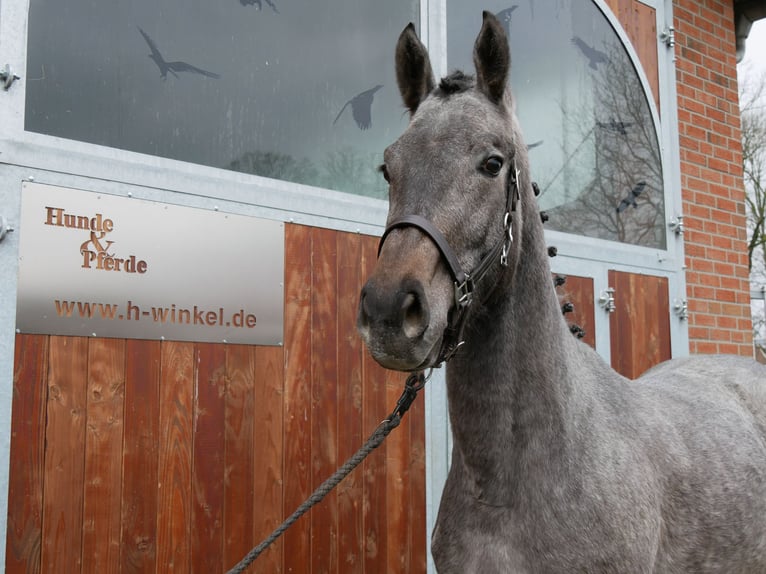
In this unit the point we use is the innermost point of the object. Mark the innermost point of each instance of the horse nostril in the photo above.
(414, 315)
(364, 311)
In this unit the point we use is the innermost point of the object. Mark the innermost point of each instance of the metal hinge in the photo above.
(676, 225)
(606, 300)
(4, 227)
(681, 309)
(7, 77)
(668, 36)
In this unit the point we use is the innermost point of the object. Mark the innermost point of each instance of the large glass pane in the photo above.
(593, 146)
(296, 90)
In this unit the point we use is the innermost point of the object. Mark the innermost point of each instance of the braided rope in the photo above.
(414, 383)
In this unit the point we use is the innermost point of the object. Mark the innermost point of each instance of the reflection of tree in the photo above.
(752, 99)
(353, 172)
(343, 170)
(622, 152)
(276, 165)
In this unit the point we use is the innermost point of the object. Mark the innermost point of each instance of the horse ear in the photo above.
(413, 69)
(492, 58)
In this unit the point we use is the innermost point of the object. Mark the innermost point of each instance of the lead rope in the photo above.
(414, 383)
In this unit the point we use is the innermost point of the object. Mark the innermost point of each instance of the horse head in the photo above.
(453, 191)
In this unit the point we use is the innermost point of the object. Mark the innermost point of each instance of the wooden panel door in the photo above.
(639, 328)
(161, 456)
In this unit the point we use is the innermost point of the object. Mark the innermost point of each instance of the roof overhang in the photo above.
(745, 13)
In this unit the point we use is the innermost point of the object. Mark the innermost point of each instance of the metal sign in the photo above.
(101, 265)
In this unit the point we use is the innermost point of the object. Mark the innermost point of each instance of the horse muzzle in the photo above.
(404, 305)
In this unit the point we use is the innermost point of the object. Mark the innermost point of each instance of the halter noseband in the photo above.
(463, 282)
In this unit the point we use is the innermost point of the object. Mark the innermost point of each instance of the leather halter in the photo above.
(464, 282)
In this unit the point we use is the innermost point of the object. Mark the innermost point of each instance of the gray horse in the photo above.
(559, 463)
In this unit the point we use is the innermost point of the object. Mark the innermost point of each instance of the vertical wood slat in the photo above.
(239, 466)
(350, 432)
(103, 456)
(374, 469)
(174, 497)
(269, 454)
(297, 398)
(208, 458)
(398, 488)
(65, 455)
(640, 324)
(141, 437)
(25, 487)
(417, 508)
(324, 396)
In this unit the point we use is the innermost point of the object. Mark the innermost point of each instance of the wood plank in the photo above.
(324, 395)
(417, 517)
(141, 437)
(398, 487)
(65, 455)
(269, 453)
(640, 24)
(640, 325)
(174, 497)
(350, 432)
(239, 476)
(624, 341)
(208, 457)
(374, 410)
(297, 398)
(103, 456)
(27, 458)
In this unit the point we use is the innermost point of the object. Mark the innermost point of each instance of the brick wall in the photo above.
(711, 178)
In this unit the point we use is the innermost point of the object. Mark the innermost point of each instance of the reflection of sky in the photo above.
(284, 76)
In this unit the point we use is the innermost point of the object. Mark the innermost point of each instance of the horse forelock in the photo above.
(455, 83)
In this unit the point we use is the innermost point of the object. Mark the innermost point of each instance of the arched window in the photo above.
(592, 140)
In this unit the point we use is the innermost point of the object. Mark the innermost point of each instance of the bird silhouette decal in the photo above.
(172, 67)
(613, 125)
(259, 4)
(595, 57)
(630, 199)
(505, 16)
(361, 108)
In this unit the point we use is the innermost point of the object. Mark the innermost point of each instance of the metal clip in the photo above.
(681, 309)
(508, 239)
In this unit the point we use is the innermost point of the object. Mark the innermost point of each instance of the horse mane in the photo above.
(455, 83)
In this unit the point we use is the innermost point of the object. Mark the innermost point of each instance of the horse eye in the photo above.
(384, 170)
(493, 165)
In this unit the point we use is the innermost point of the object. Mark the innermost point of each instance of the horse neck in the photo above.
(512, 377)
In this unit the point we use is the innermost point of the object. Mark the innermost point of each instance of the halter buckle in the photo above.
(464, 292)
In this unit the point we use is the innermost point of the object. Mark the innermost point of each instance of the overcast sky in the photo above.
(754, 62)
